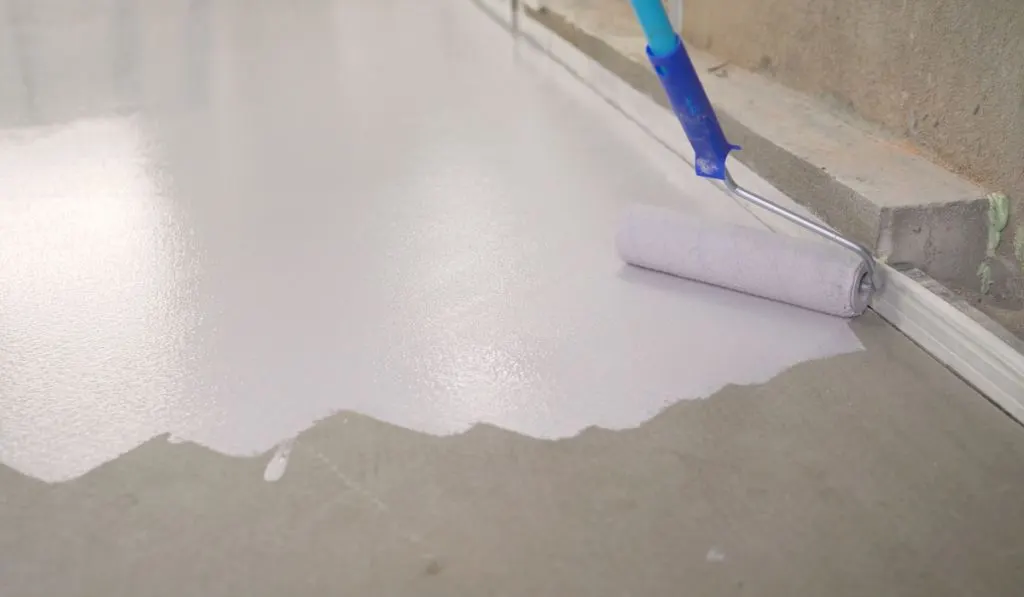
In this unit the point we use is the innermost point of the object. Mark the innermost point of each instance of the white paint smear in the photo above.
(316, 232)
(278, 463)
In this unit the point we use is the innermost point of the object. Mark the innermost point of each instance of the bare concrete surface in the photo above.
(873, 473)
(860, 178)
(876, 473)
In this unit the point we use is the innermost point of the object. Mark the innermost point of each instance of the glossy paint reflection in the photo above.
(254, 214)
(92, 331)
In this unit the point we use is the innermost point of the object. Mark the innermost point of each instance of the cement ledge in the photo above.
(905, 208)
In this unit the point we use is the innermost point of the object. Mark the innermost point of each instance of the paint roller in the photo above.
(838, 278)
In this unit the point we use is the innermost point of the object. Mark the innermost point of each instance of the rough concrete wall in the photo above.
(946, 75)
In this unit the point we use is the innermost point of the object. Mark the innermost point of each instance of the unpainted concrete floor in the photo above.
(872, 473)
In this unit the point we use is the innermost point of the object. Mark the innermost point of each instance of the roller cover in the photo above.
(809, 274)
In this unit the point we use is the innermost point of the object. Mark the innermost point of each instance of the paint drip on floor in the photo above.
(278, 462)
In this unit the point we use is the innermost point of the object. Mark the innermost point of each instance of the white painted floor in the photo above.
(227, 220)
(222, 221)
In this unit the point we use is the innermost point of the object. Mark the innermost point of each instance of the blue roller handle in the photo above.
(685, 92)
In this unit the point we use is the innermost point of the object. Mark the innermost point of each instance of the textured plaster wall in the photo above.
(945, 75)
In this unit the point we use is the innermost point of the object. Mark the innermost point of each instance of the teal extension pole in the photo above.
(661, 37)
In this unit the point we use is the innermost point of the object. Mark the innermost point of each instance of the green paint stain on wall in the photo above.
(998, 216)
(1018, 245)
(985, 274)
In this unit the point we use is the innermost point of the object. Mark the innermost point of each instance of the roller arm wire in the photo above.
(871, 283)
